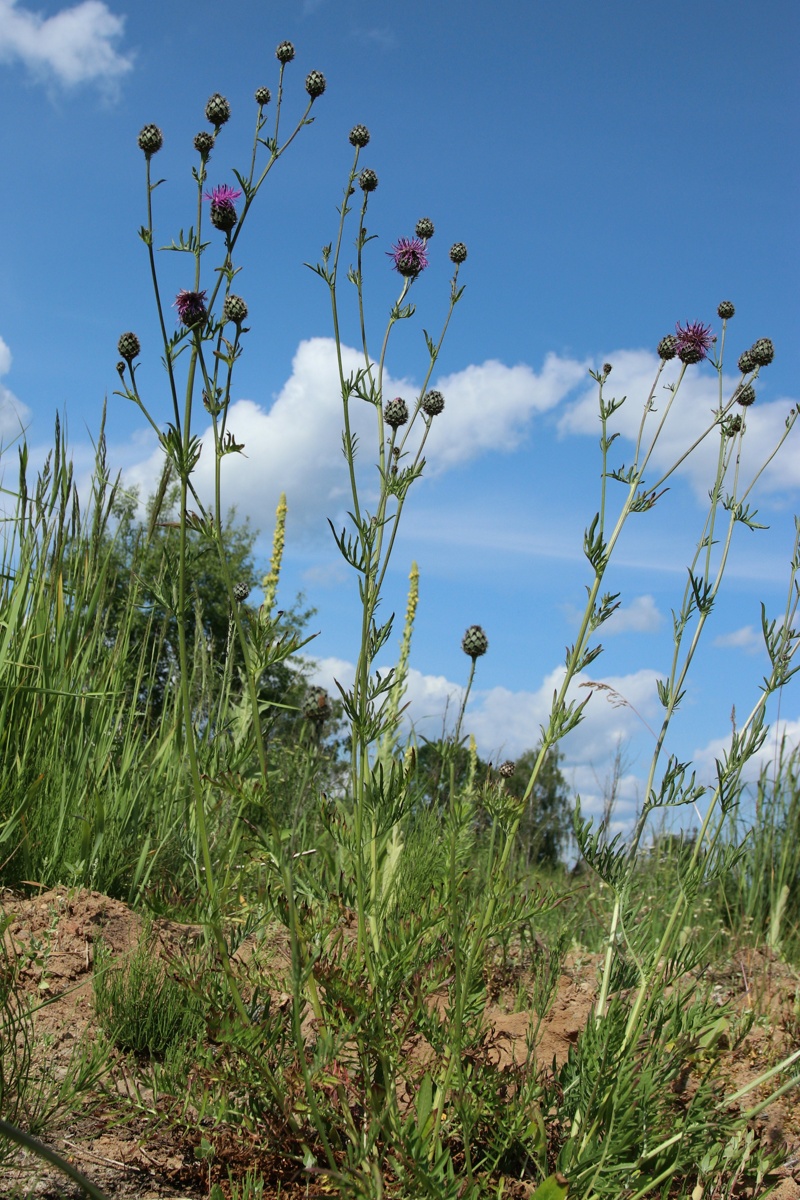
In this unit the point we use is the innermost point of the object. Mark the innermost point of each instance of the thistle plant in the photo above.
(207, 343)
(623, 1021)
(402, 426)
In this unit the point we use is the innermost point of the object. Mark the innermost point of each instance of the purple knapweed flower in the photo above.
(409, 256)
(223, 210)
(694, 341)
(191, 307)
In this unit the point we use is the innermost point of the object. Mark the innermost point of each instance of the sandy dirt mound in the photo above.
(52, 937)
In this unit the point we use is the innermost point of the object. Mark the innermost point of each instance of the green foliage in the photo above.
(762, 891)
(139, 1005)
(142, 602)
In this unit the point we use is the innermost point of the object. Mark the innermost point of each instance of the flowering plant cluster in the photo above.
(413, 965)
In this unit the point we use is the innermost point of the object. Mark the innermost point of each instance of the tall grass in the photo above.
(379, 1075)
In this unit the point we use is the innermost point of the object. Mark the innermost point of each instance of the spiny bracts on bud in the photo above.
(396, 412)
(315, 84)
(241, 591)
(285, 52)
(694, 341)
(150, 139)
(507, 768)
(367, 180)
(747, 362)
(317, 705)
(223, 211)
(359, 136)
(433, 403)
(234, 309)
(763, 352)
(607, 369)
(191, 308)
(263, 96)
(668, 347)
(121, 368)
(129, 346)
(725, 310)
(458, 253)
(204, 143)
(746, 396)
(734, 425)
(218, 110)
(424, 228)
(475, 642)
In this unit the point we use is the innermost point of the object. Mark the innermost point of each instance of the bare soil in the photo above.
(52, 937)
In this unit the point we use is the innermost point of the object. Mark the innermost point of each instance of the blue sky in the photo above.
(612, 169)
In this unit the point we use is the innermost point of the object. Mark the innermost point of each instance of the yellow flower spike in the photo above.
(270, 582)
(401, 670)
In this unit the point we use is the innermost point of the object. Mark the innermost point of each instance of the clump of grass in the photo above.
(138, 1004)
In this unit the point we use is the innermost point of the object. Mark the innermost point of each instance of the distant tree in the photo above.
(546, 824)
(441, 765)
(139, 595)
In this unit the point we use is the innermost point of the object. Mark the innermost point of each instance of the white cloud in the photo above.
(748, 638)
(294, 446)
(14, 415)
(640, 616)
(77, 44)
(490, 406)
(691, 414)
